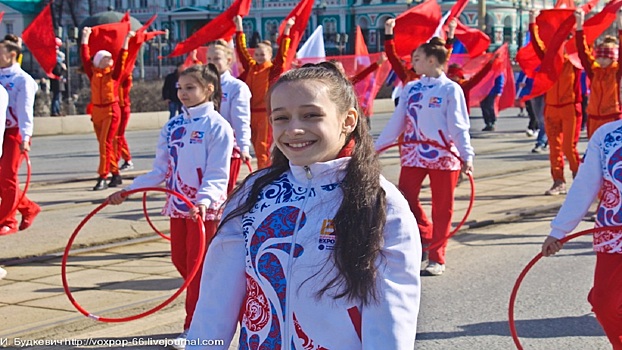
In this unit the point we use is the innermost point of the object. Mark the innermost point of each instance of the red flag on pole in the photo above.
(474, 40)
(126, 17)
(221, 27)
(141, 37)
(457, 9)
(302, 12)
(416, 26)
(109, 37)
(41, 41)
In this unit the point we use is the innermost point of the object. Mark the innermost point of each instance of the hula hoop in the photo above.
(25, 157)
(149, 219)
(194, 271)
(469, 175)
(523, 273)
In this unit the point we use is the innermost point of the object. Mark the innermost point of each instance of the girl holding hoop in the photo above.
(432, 108)
(599, 173)
(193, 158)
(318, 250)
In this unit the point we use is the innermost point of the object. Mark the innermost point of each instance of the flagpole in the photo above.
(481, 15)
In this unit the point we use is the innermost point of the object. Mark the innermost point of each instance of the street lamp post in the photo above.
(341, 40)
(72, 36)
(321, 7)
(161, 44)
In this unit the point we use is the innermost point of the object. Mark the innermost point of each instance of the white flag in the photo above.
(313, 47)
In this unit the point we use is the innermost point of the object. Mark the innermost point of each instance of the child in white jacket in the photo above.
(192, 158)
(318, 250)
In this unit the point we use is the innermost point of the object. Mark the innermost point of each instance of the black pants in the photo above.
(488, 110)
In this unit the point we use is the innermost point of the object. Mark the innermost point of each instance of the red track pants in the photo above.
(123, 149)
(442, 183)
(9, 182)
(606, 296)
(185, 255)
(234, 172)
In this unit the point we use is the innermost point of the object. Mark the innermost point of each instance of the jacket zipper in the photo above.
(287, 344)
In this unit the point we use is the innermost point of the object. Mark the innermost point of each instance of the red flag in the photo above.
(593, 28)
(302, 12)
(41, 41)
(135, 44)
(360, 48)
(548, 22)
(108, 37)
(126, 17)
(475, 41)
(457, 9)
(221, 27)
(416, 26)
(1, 15)
(366, 89)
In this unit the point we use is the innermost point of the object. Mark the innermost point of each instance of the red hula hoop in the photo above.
(469, 175)
(26, 185)
(193, 272)
(523, 273)
(149, 219)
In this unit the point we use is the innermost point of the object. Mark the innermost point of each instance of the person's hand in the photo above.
(198, 210)
(579, 16)
(246, 156)
(551, 246)
(389, 26)
(453, 24)
(86, 33)
(382, 59)
(467, 168)
(24, 147)
(117, 198)
(193, 55)
(290, 22)
(131, 34)
(532, 16)
(237, 20)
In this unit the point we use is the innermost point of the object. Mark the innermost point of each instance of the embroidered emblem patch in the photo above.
(435, 102)
(327, 235)
(197, 137)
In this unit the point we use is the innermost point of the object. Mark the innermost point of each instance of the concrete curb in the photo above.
(81, 124)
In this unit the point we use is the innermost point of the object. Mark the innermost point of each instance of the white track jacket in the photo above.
(430, 109)
(21, 88)
(253, 268)
(599, 173)
(193, 158)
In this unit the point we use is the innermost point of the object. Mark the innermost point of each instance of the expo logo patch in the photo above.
(435, 102)
(327, 236)
(197, 137)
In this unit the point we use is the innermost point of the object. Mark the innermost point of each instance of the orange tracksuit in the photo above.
(562, 114)
(106, 114)
(123, 149)
(604, 103)
(259, 78)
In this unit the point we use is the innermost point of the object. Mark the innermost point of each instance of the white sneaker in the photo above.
(529, 132)
(2, 273)
(179, 343)
(434, 269)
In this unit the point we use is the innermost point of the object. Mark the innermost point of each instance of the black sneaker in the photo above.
(489, 128)
(127, 165)
(100, 185)
(115, 181)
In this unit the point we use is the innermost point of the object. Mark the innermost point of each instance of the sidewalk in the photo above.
(135, 273)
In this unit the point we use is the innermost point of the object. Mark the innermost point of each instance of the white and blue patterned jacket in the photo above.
(251, 266)
(600, 172)
(193, 158)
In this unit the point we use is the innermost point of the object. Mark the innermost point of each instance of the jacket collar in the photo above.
(430, 80)
(198, 111)
(10, 69)
(321, 173)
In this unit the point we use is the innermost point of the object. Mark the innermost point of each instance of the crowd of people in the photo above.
(316, 247)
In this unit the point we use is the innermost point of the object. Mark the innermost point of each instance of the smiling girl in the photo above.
(318, 250)
(192, 158)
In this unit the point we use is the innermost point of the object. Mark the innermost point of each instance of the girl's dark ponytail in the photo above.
(213, 74)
